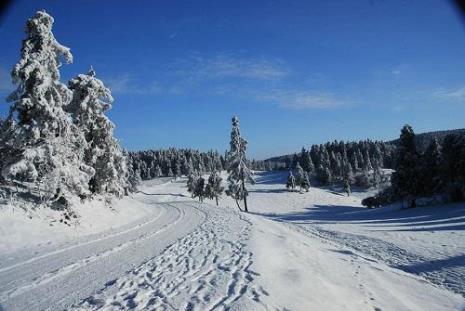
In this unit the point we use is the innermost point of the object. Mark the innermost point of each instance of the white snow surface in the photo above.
(162, 250)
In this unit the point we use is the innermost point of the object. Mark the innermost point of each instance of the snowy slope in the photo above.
(312, 251)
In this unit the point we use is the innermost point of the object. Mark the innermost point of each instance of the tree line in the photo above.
(359, 163)
(439, 170)
(172, 162)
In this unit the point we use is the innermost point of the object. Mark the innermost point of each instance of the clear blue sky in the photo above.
(295, 72)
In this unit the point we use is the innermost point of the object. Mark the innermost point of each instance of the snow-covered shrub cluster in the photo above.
(301, 179)
(199, 188)
(56, 138)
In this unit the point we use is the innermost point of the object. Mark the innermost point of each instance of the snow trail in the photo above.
(206, 270)
(72, 273)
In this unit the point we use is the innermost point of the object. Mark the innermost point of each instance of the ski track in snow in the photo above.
(73, 272)
(206, 270)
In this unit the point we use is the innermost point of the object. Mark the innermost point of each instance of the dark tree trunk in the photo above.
(238, 206)
(243, 189)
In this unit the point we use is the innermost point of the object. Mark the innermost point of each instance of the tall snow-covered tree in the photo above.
(158, 172)
(238, 171)
(406, 179)
(347, 186)
(39, 143)
(134, 178)
(453, 166)
(299, 173)
(214, 189)
(91, 99)
(431, 168)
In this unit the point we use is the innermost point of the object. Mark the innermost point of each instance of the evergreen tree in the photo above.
(305, 160)
(453, 166)
(214, 189)
(238, 171)
(91, 99)
(177, 170)
(291, 182)
(347, 186)
(191, 182)
(158, 172)
(199, 190)
(38, 142)
(324, 175)
(405, 179)
(299, 173)
(133, 174)
(305, 182)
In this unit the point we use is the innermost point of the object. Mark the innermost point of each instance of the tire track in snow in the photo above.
(87, 241)
(74, 274)
(49, 276)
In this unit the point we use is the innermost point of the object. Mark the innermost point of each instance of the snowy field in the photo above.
(162, 250)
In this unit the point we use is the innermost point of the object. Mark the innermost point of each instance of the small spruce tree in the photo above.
(214, 189)
(290, 181)
(199, 190)
(305, 182)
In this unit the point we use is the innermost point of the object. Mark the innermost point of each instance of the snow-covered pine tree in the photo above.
(191, 181)
(299, 173)
(305, 182)
(453, 166)
(214, 189)
(39, 142)
(304, 159)
(405, 180)
(368, 165)
(238, 171)
(177, 170)
(199, 190)
(290, 181)
(91, 99)
(133, 174)
(158, 172)
(431, 167)
(324, 174)
(347, 186)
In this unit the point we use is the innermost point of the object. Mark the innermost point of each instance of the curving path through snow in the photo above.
(63, 276)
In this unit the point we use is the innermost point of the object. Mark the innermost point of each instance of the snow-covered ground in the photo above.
(312, 251)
